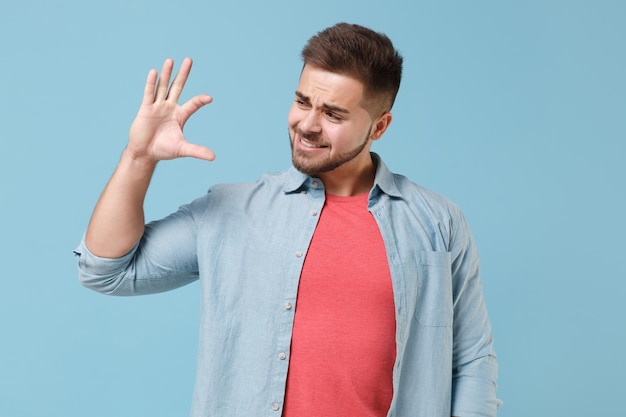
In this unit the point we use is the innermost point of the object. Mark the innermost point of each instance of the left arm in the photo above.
(474, 362)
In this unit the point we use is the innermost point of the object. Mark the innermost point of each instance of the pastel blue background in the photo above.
(514, 110)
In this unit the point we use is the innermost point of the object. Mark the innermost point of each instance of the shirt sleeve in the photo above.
(475, 368)
(165, 258)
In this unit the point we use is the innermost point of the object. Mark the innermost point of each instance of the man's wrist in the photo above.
(134, 161)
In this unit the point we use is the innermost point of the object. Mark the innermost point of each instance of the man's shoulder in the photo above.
(268, 180)
(237, 199)
(425, 200)
(429, 211)
(400, 187)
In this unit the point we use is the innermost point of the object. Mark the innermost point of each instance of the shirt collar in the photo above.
(383, 181)
(295, 181)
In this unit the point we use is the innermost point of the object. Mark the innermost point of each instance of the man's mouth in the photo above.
(311, 144)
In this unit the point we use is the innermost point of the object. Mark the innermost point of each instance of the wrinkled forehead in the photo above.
(318, 84)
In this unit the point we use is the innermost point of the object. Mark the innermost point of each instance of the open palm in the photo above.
(157, 131)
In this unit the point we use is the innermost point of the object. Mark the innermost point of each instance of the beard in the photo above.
(312, 165)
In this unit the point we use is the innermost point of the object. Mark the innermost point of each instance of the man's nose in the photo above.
(310, 123)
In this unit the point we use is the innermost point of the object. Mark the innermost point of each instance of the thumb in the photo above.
(196, 151)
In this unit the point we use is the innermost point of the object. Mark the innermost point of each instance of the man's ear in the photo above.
(380, 126)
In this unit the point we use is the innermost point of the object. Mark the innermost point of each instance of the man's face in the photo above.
(328, 127)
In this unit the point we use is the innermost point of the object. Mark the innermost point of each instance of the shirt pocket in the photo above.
(434, 307)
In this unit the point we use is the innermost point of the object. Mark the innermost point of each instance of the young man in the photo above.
(335, 288)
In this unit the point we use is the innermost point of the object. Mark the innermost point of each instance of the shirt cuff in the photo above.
(98, 273)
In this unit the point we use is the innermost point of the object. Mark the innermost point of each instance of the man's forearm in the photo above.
(117, 222)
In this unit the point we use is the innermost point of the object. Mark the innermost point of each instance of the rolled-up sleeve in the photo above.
(165, 258)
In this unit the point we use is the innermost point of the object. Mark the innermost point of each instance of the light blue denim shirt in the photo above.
(247, 244)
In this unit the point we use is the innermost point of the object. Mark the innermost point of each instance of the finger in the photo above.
(193, 104)
(179, 81)
(164, 80)
(148, 91)
(197, 151)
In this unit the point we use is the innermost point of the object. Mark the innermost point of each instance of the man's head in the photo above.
(362, 54)
(348, 84)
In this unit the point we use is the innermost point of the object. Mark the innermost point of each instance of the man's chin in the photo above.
(306, 168)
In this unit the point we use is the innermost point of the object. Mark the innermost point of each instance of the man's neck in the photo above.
(349, 180)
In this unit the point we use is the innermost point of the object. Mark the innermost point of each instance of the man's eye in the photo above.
(333, 116)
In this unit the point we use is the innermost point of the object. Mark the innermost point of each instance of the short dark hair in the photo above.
(360, 53)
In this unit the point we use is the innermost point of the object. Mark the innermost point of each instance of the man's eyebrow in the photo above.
(330, 107)
(303, 97)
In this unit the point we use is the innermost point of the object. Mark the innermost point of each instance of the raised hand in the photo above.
(117, 222)
(157, 131)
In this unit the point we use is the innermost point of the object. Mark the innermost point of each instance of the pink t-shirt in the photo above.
(343, 345)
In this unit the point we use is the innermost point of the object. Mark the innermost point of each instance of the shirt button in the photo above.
(275, 406)
(298, 254)
(313, 212)
(282, 356)
(314, 184)
(287, 305)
